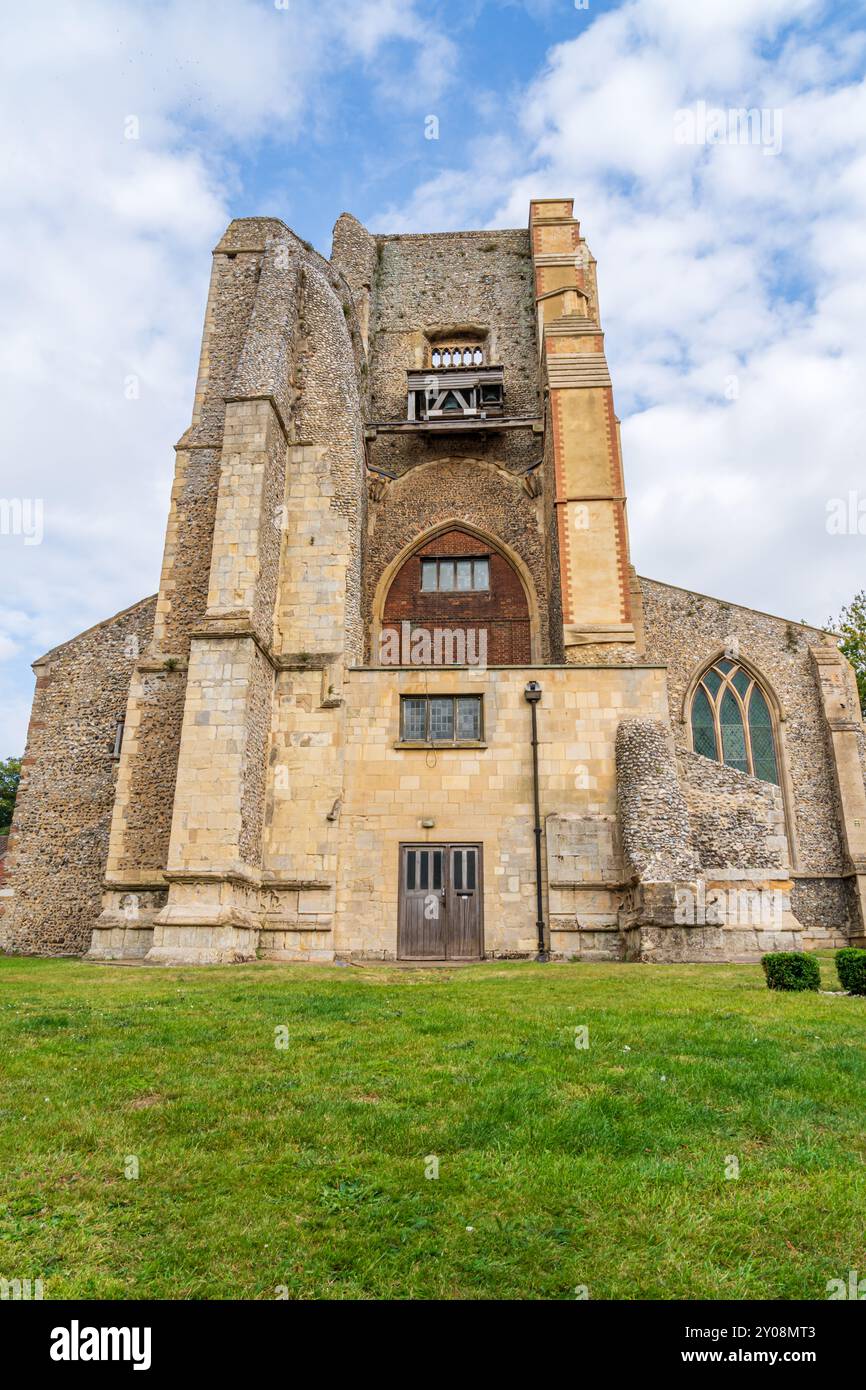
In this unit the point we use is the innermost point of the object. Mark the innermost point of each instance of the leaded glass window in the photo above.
(441, 719)
(414, 719)
(703, 725)
(761, 737)
(712, 680)
(731, 721)
(460, 575)
(468, 717)
(733, 733)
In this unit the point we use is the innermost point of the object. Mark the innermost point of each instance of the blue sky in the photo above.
(372, 151)
(732, 279)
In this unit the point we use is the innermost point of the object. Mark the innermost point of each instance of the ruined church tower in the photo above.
(399, 519)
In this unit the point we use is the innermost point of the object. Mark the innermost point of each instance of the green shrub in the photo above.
(791, 970)
(851, 969)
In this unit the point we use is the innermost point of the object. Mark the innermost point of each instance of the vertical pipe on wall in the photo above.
(532, 694)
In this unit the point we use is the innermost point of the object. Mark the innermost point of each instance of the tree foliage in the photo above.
(851, 623)
(10, 776)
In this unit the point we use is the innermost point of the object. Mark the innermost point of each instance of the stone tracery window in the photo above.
(731, 721)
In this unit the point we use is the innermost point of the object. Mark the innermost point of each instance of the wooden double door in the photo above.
(441, 903)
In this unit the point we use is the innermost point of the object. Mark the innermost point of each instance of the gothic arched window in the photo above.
(731, 721)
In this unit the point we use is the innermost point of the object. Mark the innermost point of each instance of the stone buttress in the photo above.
(258, 600)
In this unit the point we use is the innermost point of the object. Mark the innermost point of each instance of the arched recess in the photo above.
(719, 659)
(487, 544)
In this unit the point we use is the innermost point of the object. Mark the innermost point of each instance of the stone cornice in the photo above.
(264, 396)
(236, 874)
(234, 628)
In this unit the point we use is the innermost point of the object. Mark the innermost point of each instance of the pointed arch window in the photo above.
(731, 721)
(447, 601)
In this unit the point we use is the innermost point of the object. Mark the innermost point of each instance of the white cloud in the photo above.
(714, 262)
(104, 259)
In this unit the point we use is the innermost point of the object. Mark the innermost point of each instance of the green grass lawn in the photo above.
(304, 1167)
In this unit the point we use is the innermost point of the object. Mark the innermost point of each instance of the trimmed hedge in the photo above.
(851, 969)
(791, 970)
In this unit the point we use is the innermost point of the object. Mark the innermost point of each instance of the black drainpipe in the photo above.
(532, 694)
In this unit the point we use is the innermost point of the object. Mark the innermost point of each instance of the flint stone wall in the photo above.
(59, 840)
(428, 285)
(329, 415)
(683, 629)
(738, 822)
(654, 818)
(824, 904)
(433, 283)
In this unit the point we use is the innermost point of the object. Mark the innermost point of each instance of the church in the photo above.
(401, 694)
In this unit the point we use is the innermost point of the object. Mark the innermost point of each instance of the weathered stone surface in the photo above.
(687, 630)
(57, 849)
(264, 788)
(654, 817)
(737, 821)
